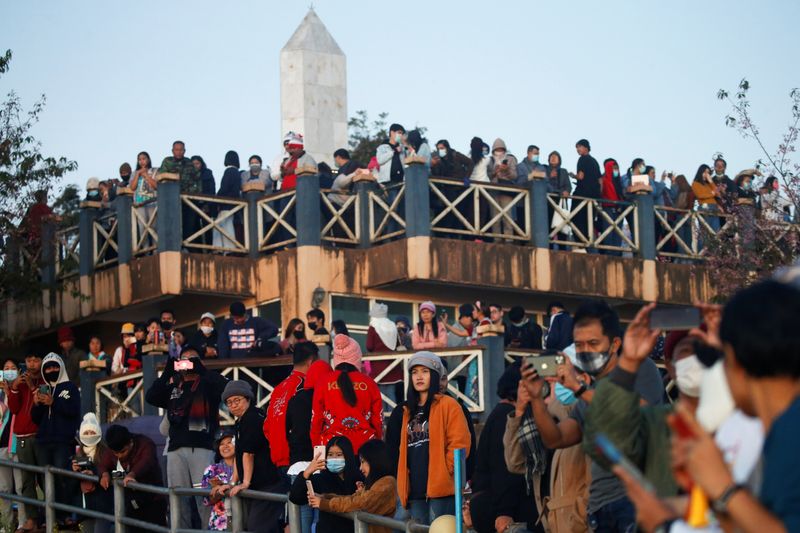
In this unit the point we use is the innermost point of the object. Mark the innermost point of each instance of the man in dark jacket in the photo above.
(191, 395)
(241, 335)
(559, 335)
(521, 332)
(70, 355)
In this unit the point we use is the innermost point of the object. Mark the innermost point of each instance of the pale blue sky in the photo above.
(635, 78)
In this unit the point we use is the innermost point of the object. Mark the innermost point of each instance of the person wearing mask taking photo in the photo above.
(205, 338)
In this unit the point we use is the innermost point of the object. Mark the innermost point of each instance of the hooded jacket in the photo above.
(275, 422)
(508, 176)
(298, 414)
(59, 422)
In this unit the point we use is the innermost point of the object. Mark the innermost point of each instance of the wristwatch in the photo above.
(720, 505)
(580, 390)
(665, 526)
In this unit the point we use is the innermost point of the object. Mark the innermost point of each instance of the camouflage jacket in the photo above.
(190, 177)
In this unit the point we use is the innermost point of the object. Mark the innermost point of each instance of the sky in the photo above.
(636, 78)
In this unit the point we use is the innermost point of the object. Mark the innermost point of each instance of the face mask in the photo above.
(485, 153)
(166, 325)
(206, 329)
(51, 376)
(747, 186)
(442, 152)
(312, 326)
(641, 169)
(564, 395)
(718, 172)
(10, 375)
(255, 169)
(299, 334)
(616, 173)
(688, 375)
(593, 363)
(535, 158)
(398, 138)
(716, 403)
(94, 193)
(335, 464)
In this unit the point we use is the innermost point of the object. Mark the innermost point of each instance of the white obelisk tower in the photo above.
(314, 88)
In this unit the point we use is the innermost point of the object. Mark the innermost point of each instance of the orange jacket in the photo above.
(448, 432)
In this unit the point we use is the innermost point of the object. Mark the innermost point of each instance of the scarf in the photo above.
(535, 452)
(386, 330)
(189, 405)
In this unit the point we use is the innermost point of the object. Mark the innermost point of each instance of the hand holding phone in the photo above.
(184, 364)
(310, 487)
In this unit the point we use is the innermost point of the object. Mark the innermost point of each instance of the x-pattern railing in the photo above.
(609, 215)
(672, 221)
(115, 406)
(466, 210)
(383, 214)
(145, 232)
(105, 240)
(277, 221)
(67, 252)
(781, 237)
(340, 223)
(228, 208)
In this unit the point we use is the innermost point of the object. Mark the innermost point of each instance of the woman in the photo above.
(418, 147)
(708, 196)
(334, 474)
(176, 344)
(9, 478)
(295, 332)
(257, 172)
(207, 183)
(154, 333)
(745, 199)
(772, 203)
(376, 496)
(429, 332)
(433, 427)
(557, 184)
(229, 187)
(683, 199)
(126, 351)
(144, 185)
(480, 161)
(216, 475)
(611, 190)
(348, 401)
(205, 339)
(91, 452)
(96, 349)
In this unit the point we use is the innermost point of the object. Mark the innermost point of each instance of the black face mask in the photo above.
(300, 334)
(312, 326)
(166, 325)
(51, 376)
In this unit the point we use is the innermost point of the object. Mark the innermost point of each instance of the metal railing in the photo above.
(106, 249)
(593, 223)
(68, 257)
(145, 233)
(480, 210)
(386, 218)
(340, 223)
(680, 233)
(277, 221)
(216, 233)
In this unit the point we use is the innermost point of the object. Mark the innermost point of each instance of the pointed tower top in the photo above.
(312, 35)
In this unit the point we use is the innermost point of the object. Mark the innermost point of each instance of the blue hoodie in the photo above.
(59, 422)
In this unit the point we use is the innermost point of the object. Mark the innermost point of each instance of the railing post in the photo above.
(49, 499)
(363, 186)
(359, 525)
(237, 514)
(86, 230)
(253, 191)
(459, 488)
(119, 506)
(645, 216)
(540, 225)
(48, 257)
(325, 353)
(308, 211)
(418, 200)
(150, 363)
(123, 205)
(174, 515)
(493, 367)
(169, 222)
(89, 380)
(295, 520)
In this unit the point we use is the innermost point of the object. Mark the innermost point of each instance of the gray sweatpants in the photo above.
(185, 467)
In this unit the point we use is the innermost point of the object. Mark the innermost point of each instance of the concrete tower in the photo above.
(314, 88)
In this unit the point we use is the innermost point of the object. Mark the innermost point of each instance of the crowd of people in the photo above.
(594, 444)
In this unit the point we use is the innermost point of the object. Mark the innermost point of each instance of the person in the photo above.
(125, 172)
(708, 197)
(315, 319)
(529, 164)
(144, 186)
(96, 352)
(294, 334)
(589, 186)
(154, 333)
(207, 183)
(382, 337)
(612, 190)
(559, 334)
(597, 343)
(558, 184)
(9, 478)
(343, 183)
(205, 338)
(35, 218)
(444, 382)
(502, 170)
(217, 474)
(241, 335)
(254, 467)
(128, 356)
(334, 474)
(298, 159)
(57, 413)
(22, 392)
(429, 332)
(177, 344)
(417, 146)
(521, 332)
(229, 187)
(348, 401)
(451, 163)
(189, 183)
(344, 163)
(496, 315)
(499, 498)
(464, 332)
(683, 199)
(136, 454)
(726, 185)
(70, 354)
(95, 498)
(303, 355)
(431, 429)
(772, 203)
(298, 414)
(257, 172)
(390, 157)
(404, 340)
(191, 398)
(167, 322)
(376, 495)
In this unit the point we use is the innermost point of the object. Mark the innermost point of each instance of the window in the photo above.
(272, 312)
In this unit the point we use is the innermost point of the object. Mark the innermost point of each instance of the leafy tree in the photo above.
(67, 206)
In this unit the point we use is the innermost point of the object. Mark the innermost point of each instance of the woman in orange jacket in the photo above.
(433, 427)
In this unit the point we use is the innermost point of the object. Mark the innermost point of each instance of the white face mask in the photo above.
(206, 329)
(688, 375)
(716, 403)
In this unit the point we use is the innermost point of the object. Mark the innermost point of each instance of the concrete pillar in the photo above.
(123, 205)
(253, 191)
(169, 221)
(418, 200)
(48, 257)
(150, 362)
(363, 186)
(647, 225)
(493, 367)
(540, 224)
(307, 210)
(89, 211)
(89, 379)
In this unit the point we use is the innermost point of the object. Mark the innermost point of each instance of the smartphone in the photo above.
(319, 452)
(607, 449)
(44, 389)
(310, 487)
(670, 319)
(546, 365)
(184, 364)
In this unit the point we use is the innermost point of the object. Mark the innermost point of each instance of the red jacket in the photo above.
(332, 416)
(275, 423)
(20, 403)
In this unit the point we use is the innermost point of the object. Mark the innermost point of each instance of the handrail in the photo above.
(214, 225)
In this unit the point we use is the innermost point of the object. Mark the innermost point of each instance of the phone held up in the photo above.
(670, 319)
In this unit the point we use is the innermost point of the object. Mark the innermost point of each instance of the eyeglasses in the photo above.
(231, 402)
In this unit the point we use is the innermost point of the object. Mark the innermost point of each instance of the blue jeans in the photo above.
(307, 513)
(426, 511)
(618, 516)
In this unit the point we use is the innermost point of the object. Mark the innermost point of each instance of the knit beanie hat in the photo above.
(295, 140)
(65, 334)
(237, 387)
(90, 433)
(429, 306)
(346, 350)
(379, 310)
(428, 360)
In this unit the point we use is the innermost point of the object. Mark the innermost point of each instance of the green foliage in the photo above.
(67, 206)
(366, 136)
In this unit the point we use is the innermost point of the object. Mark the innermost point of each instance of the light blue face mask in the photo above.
(642, 168)
(335, 464)
(616, 173)
(10, 375)
(564, 395)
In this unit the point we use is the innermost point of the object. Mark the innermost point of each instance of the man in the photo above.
(240, 335)
(502, 170)
(343, 183)
(167, 323)
(344, 163)
(125, 172)
(316, 322)
(589, 185)
(35, 218)
(449, 163)
(528, 165)
(598, 341)
(139, 460)
(254, 467)
(20, 403)
(298, 159)
(496, 314)
(390, 156)
(191, 398)
(726, 184)
(462, 333)
(178, 164)
(71, 355)
(559, 334)
(304, 354)
(57, 413)
(521, 332)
